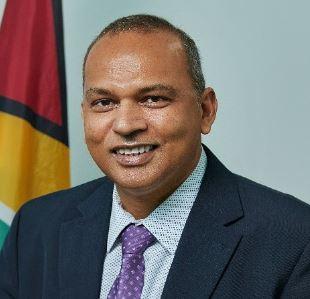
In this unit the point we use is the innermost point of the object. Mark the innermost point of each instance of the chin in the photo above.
(135, 181)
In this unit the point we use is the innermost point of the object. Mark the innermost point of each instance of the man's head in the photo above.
(149, 24)
(143, 111)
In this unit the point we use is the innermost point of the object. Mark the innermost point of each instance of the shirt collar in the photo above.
(167, 221)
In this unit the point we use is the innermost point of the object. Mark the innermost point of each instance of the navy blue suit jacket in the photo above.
(241, 240)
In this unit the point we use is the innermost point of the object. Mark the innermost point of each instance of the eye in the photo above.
(103, 105)
(102, 102)
(155, 101)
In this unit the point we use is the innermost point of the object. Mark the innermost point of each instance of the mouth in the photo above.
(134, 155)
(134, 150)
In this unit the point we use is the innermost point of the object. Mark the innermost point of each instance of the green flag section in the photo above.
(6, 217)
(3, 231)
(34, 151)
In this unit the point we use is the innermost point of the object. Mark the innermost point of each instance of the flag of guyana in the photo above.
(34, 153)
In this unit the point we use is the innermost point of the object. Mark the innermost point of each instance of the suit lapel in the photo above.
(82, 245)
(209, 238)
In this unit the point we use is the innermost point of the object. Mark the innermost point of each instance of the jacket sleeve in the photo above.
(9, 263)
(298, 285)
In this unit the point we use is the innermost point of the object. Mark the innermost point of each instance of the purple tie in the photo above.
(130, 280)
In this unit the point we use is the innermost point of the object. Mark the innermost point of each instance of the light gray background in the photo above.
(255, 55)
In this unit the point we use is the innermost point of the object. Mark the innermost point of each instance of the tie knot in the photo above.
(135, 239)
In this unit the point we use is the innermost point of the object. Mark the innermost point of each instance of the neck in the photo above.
(140, 205)
(138, 208)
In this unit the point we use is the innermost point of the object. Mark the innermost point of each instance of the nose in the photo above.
(129, 119)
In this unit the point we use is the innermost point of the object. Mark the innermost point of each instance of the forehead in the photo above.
(132, 54)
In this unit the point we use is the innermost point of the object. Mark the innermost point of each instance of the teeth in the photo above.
(135, 150)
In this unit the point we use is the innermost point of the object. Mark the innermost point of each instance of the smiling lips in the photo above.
(134, 155)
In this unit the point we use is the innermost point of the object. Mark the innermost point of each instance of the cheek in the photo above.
(95, 128)
(176, 125)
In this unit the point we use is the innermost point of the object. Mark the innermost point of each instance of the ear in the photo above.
(82, 116)
(82, 109)
(209, 109)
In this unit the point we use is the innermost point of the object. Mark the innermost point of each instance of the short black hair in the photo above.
(148, 23)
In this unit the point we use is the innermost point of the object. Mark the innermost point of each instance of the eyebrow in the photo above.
(159, 87)
(155, 87)
(97, 91)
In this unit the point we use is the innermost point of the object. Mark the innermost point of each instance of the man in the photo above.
(169, 221)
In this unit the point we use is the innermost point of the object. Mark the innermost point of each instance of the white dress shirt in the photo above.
(166, 223)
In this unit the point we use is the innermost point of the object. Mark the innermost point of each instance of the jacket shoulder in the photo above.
(262, 202)
(53, 205)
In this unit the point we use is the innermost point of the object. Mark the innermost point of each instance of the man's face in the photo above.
(141, 116)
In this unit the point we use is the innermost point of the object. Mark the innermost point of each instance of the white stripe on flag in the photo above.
(2, 5)
(6, 214)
